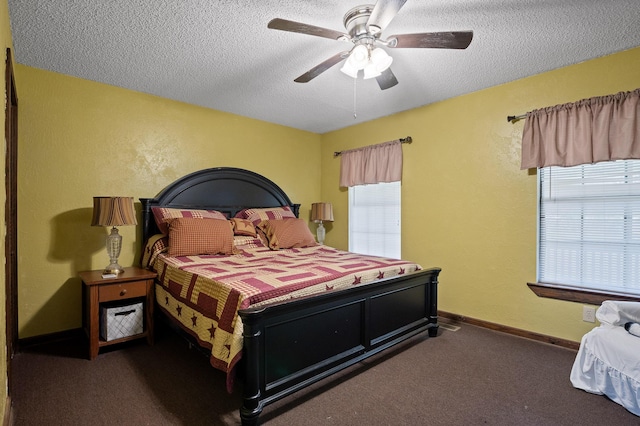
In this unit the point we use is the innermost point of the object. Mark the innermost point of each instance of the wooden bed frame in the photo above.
(291, 345)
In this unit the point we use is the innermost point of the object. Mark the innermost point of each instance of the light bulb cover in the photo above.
(359, 57)
(381, 59)
(373, 62)
(349, 70)
(371, 71)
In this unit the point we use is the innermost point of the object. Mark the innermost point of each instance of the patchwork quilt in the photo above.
(204, 293)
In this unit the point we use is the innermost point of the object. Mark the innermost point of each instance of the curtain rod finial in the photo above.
(515, 118)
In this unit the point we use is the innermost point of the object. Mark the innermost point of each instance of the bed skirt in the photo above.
(608, 363)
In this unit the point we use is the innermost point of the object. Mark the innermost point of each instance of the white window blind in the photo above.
(589, 226)
(374, 219)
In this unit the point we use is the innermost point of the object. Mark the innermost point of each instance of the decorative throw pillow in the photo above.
(290, 233)
(192, 237)
(165, 214)
(157, 244)
(243, 227)
(271, 213)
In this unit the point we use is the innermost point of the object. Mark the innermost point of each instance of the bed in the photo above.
(325, 317)
(608, 360)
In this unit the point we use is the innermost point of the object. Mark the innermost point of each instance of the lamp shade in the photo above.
(371, 71)
(113, 211)
(359, 57)
(322, 212)
(349, 70)
(381, 59)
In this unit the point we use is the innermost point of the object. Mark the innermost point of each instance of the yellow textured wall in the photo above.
(80, 139)
(5, 42)
(466, 205)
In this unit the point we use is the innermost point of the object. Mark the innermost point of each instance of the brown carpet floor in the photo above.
(472, 376)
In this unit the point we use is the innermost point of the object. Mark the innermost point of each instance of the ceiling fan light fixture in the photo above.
(359, 57)
(349, 69)
(365, 25)
(371, 71)
(381, 59)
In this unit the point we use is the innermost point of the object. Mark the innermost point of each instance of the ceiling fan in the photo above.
(364, 25)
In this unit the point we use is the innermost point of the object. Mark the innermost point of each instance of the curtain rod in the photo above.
(402, 140)
(514, 118)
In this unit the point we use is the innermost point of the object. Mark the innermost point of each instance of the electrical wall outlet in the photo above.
(588, 314)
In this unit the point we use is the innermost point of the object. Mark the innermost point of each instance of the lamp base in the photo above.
(320, 232)
(113, 268)
(114, 244)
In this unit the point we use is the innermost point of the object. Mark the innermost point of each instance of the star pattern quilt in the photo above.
(204, 293)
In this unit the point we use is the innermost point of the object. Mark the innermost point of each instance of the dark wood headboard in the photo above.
(225, 189)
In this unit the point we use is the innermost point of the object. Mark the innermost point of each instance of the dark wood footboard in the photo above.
(292, 345)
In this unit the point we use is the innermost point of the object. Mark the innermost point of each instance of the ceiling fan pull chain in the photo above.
(355, 116)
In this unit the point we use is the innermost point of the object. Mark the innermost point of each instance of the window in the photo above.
(589, 226)
(374, 219)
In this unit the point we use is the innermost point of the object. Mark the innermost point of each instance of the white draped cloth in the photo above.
(608, 361)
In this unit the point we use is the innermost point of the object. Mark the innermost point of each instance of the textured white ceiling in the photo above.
(220, 54)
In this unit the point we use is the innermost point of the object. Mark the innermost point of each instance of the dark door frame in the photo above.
(11, 217)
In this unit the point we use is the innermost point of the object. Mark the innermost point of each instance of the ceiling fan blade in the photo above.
(443, 40)
(383, 12)
(321, 67)
(297, 27)
(386, 80)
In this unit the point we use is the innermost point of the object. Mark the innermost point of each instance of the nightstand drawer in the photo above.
(122, 291)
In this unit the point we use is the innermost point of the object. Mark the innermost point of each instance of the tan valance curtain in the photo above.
(598, 129)
(371, 164)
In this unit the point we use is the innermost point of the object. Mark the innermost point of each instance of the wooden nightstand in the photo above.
(134, 282)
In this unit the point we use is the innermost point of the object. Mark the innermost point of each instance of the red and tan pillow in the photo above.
(155, 245)
(191, 237)
(164, 215)
(290, 233)
(243, 227)
(272, 213)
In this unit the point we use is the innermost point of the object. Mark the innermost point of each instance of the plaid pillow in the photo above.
(258, 215)
(164, 215)
(290, 233)
(191, 237)
(156, 245)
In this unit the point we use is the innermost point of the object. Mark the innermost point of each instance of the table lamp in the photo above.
(113, 211)
(321, 212)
